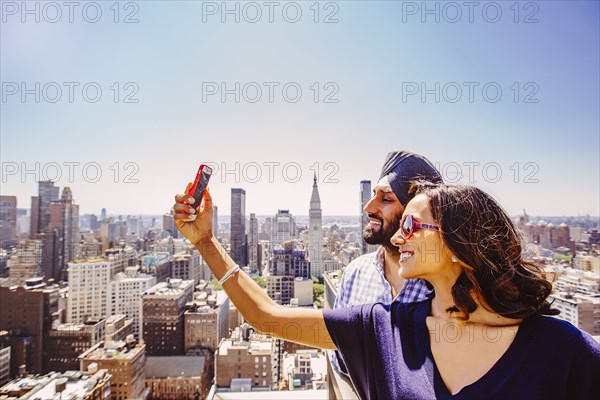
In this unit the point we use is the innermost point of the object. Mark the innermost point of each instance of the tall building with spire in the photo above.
(315, 235)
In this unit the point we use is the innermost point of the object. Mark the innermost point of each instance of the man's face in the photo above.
(385, 212)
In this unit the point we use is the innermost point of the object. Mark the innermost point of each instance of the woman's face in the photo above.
(424, 254)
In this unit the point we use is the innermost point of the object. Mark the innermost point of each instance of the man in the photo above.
(373, 277)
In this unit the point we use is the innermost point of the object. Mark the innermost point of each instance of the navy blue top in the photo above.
(388, 355)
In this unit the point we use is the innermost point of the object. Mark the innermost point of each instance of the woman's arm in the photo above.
(306, 326)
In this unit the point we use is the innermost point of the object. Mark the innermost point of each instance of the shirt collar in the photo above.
(379, 260)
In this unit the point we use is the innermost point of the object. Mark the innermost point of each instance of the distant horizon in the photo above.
(306, 215)
(112, 214)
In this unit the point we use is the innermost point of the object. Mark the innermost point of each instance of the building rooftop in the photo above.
(155, 258)
(172, 288)
(272, 395)
(207, 302)
(577, 298)
(258, 344)
(110, 349)
(174, 366)
(77, 384)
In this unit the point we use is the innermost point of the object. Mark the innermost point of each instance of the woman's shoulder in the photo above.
(562, 332)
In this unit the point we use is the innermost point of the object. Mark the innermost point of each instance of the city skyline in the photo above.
(367, 85)
(226, 216)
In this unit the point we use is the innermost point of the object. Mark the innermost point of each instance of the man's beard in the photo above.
(384, 235)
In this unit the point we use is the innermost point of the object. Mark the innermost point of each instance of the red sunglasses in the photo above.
(409, 225)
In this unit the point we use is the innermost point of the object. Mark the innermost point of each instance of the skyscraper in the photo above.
(238, 226)
(283, 229)
(47, 193)
(365, 196)
(34, 220)
(8, 221)
(215, 221)
(64, 218)
(169, 224)
(315, 234)
(253, 243)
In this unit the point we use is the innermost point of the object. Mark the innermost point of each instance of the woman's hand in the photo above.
(195, 225)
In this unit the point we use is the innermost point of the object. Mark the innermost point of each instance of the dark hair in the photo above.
(478, 231)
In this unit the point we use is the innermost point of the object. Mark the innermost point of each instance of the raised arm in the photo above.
(306, 326)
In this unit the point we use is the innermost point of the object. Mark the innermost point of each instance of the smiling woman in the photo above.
(484, 333)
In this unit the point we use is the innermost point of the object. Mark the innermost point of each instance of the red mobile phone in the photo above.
(200, 184)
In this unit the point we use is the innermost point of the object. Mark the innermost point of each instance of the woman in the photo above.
(482, 335)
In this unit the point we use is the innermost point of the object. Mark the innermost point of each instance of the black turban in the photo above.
(402, 168)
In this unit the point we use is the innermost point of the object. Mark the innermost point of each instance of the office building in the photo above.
(178, 377)
(186, 266)
(583, 311)
(158, 264)
(238, 227)
(163, 317)
(125, 361)
(283, 228)
(26, 263)
(40, 207)
(206, 320)
(8, 221)
(64, 219)
(4, 358)
(27, 314)
(89, 289)
(248, 356)
(66, 342)
(126, 293)
(253, 254)
(287, 263)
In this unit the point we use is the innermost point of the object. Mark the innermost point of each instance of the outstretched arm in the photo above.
(306, 326)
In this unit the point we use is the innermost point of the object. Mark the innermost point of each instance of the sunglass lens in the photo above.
(407, 226)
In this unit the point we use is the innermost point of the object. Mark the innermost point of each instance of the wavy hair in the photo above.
(478, 231)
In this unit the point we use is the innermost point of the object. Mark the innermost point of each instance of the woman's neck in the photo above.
(444, 307)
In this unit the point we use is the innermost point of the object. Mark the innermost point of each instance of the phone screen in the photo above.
(201, 184)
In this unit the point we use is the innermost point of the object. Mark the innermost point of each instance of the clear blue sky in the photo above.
(374, 58)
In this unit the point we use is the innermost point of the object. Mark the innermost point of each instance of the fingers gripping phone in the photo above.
(200, 184)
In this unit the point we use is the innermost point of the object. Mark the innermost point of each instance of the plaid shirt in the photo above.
(363, 282)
